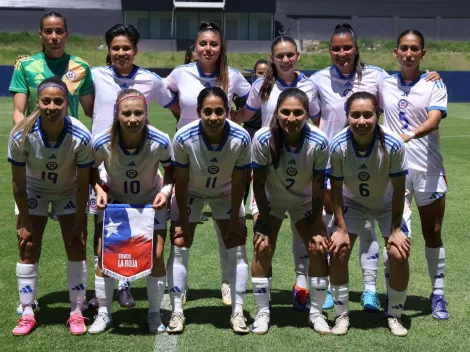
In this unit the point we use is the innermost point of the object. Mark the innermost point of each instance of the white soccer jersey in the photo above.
(291, 183)
(108, 83)
(367, 177)
(406, 107)
(254, 103)
(333, 89)
(133, 177)
(211, 167)
(188, 81)
(51, 169)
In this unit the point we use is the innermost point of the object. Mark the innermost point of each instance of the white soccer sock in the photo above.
(340, 295)
(223, 255)
(301, 259)
(123, 284)
(369, 258)
(96, 261)
(155, 292)
(436, 258)
(318, 289)
(238, 271)
(104, 288)
(396, 302)
(177, 276)
(330, 224)
(76, 274)
(261, 292)
(27, 276)
(386, 269)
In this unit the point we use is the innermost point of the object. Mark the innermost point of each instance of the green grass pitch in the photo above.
(208, 321)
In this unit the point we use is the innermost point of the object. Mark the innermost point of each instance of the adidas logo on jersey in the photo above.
(131, 164)
(213, 160)
(124, 86)
(78, 288)
(363, 167)
(348, 84)
(70, 205)
(52, 157)
(292, 162)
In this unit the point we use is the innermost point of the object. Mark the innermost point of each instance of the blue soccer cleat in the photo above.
(439, 307)
(329, 304)
(300, 299)
(370, 301)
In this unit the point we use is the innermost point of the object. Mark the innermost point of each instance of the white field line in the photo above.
(166, 342)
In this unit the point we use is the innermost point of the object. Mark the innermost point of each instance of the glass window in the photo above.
(236, 26)
(187, 24)
(160, 25)
(140, 19)
(260, 25)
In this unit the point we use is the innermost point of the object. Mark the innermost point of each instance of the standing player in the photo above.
(210, 157)
(368, 172)
(131, 153)
(414, 108)
(122, 43)
(290, 158)
(279, 76)
(51, 154)
(210, 69)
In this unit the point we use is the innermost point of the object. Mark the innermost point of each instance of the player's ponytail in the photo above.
(115, 129)
(346, 29)
(275, 142)
(271, 72)
(221, 67)
(375, 103)
(27, 124)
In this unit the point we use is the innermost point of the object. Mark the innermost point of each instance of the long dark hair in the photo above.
(53, 14)
(414, 32)
(27, 124)
(116, 126)
(275, 142)
(127, 30)
(188, 54)
(271, 72)
(368, 96)
(346, 29)
(259, 62)
(221, 67)
(211, 92)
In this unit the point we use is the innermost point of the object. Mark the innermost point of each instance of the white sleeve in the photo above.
(314, 102)
(15, 156)
(172, 81)
(322, 159)
(336, 160)
(244, 157)
(98, 155)
(398, 165)
(242, 87)
(253, 102)
(259, 153)
(439, 98)
(165, 155)
(180, 156)
(84, 155)
(161, 94)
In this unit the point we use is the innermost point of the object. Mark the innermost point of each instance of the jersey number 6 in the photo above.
(363, 191)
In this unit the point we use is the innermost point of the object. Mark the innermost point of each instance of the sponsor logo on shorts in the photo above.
(291, 171)
(32, 203)
(213, 169)
(71, 75)
(131, 173)
(52, 165)
(363, 176)
(403, 103)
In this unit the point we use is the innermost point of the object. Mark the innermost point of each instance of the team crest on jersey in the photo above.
(93, 203)
(363, 176)
(402, 104)
(347, 93)
(131, 173)
(52, 165)
(213, 169)
(291, 171)
(71, 76)
(32, 203)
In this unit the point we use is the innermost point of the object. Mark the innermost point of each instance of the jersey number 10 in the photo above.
(132, 187)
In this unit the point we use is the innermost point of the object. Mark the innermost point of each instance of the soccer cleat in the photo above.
(238, 323)
(329, 304)
(439, 307)
(125, 297)
(176, 325)
(26, 324)
(19, 307)
(226, 294)
(370, 301)
(341, 325)
(103, 321)
(155, 323)
(93, 303)
(261, 324)
(396, 327)
(300, 298)
(77, 324)
(318, 323)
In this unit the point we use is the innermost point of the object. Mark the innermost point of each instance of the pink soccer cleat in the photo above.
(26, 324)
(77, 324)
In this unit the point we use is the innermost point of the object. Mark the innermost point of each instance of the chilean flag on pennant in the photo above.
(127, 241)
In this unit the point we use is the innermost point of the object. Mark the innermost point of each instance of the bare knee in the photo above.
(395, 257)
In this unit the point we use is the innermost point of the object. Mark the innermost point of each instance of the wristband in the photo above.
(411, 134)
(166, 189)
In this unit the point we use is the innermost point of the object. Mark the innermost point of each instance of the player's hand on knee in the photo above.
(262, 244)
(24, 236)
(339, 239)
(160, 202)
(402, 243)
(318, 245)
